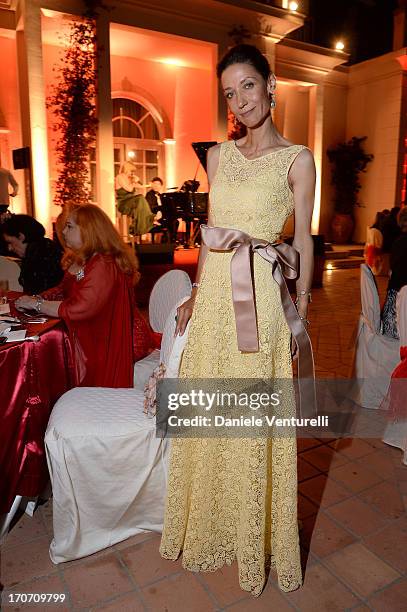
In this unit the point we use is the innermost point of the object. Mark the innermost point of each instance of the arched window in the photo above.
(137, 138)
(132, 120)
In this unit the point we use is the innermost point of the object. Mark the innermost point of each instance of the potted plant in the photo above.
(348, 160)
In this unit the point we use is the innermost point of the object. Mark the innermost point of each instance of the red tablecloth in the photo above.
(33, 376)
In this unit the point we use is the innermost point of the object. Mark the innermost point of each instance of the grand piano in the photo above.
(188, 203)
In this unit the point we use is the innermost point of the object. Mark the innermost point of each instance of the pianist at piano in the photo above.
(186, 204)
(153, 195)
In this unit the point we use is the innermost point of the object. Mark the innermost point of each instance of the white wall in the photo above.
(374, 105)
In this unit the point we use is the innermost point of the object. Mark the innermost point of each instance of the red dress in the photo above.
(98, 312)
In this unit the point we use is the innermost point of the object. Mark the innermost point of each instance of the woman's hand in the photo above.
(25, 302)
(302, 309)
(294, 349)
(184, 313)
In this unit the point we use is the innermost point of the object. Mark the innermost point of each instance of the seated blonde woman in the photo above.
(131, 202)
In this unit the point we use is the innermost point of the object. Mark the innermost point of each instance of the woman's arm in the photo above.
(302, 180)
(92, 292)
(185, 311)
(52, 298)
(46, 307)
(90, 297)
(50, 308)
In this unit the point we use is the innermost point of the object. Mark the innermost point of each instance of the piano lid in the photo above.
(201, 149)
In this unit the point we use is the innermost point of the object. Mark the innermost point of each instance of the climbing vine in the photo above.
(73, 102)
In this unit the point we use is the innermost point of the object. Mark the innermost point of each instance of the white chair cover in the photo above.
(376, 354)
(144, 368)
(169, 342)
(174, 361)
(171, 290)
(396, 433)
(10, 270)
(369, 298)
(167, 292)
(401, 306)
(107, 468)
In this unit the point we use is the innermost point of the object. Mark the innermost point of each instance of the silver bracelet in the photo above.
(195, 285)
(301, 294)
(39, 303)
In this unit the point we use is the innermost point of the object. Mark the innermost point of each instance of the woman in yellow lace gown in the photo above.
(237, 498)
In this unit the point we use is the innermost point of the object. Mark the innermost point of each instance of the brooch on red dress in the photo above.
(80, 274)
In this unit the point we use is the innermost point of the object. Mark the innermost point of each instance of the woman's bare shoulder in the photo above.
(304, 160)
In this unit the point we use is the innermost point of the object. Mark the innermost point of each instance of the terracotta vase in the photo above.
(342, 228)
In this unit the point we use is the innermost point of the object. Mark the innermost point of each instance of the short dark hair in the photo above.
(23, 224)
(245, 54)
(157, 178)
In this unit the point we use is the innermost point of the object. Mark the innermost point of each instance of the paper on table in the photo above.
(4, 328)
(12, 336)
(4, 309)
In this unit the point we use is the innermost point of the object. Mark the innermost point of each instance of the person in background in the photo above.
(153, 195)
(398, 278)
(374, 243)
(40, 257)
(391, 231)
(4, 215)
(6, 179)
(131, 202)
(163, 218)
(95, 299)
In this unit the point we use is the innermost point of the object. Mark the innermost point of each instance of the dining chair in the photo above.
(376, 355)
(396, 430)
(169, 288)
(108, 468)
(167, 291)
(10, 271)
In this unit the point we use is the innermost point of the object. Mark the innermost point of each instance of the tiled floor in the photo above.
(352, 505)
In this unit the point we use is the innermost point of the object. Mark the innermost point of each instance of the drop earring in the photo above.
(272, 101)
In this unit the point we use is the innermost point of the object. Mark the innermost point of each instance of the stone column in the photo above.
(315, 140)
(104, 144)
(33, 111)
(401, 184)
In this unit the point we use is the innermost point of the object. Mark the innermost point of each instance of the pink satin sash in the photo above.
(284, 260)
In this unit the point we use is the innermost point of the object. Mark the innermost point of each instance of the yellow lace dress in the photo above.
(237, 498)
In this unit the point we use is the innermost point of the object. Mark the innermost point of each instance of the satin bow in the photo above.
(284, 260)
